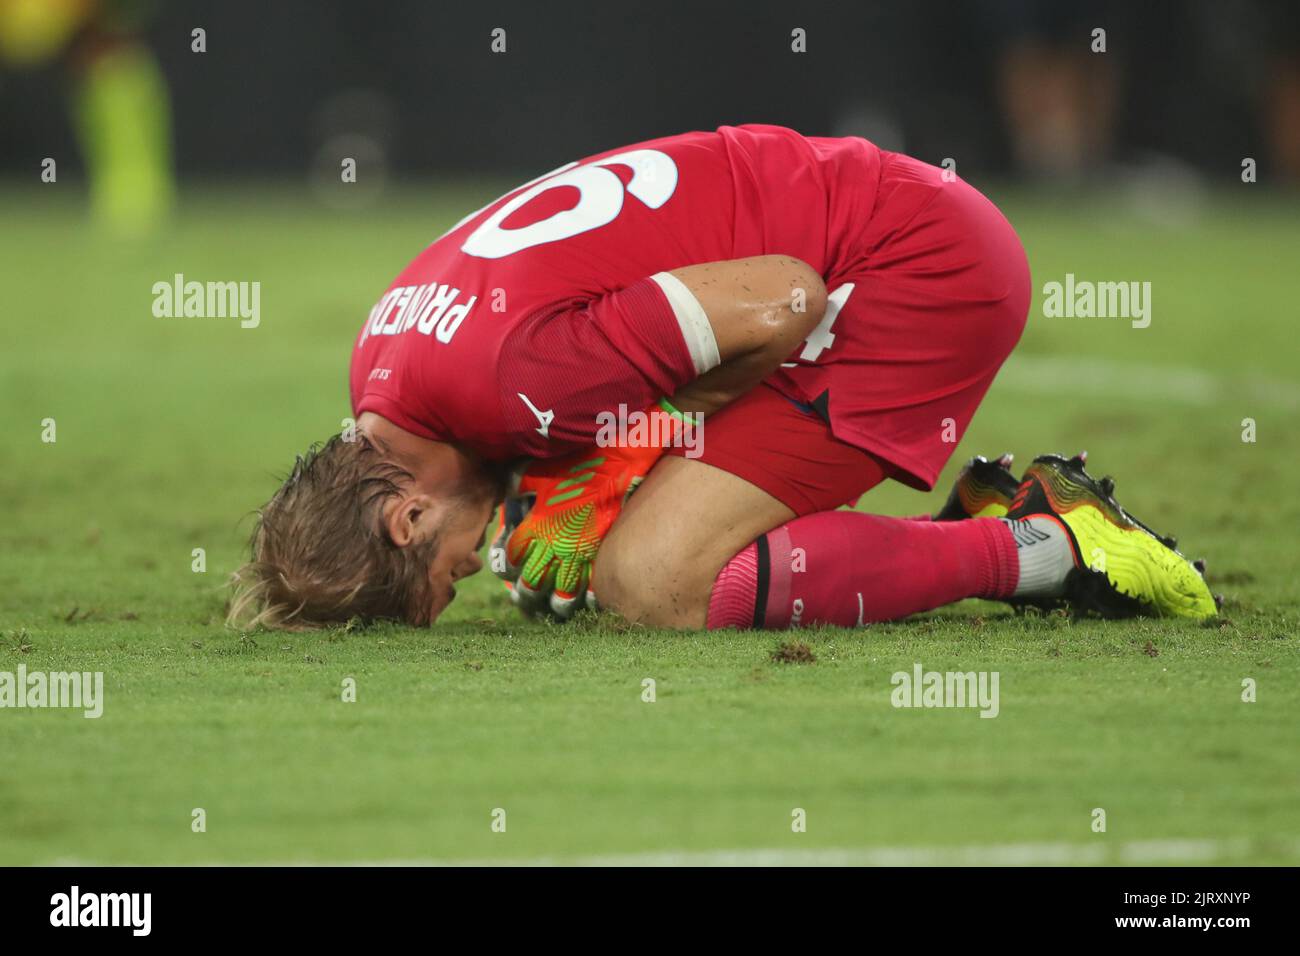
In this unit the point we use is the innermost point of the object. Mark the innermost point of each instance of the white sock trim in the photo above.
(1045, 556)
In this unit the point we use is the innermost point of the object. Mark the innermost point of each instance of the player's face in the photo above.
(458, 552)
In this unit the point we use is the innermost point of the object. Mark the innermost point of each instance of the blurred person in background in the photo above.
(119, 101)
(1057, 95)
(1281, 93)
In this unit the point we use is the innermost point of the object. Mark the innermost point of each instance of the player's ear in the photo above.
(409, 519)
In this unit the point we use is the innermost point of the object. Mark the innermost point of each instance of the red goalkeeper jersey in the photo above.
(514, 330)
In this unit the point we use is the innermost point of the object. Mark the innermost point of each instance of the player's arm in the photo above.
(757, 311)
(701, 335)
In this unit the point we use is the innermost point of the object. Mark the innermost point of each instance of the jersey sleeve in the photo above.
(564, 370)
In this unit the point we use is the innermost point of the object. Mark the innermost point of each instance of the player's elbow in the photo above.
(807, 290)
(796, 306)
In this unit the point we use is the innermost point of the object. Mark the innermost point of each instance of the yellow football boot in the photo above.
(984, 489)
(1122, 567)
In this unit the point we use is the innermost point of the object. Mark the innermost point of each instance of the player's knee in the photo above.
(614, 589)
(616, 580)
(649, 586)
(616, 584)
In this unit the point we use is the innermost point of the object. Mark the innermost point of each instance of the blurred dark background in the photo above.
(1005, 87)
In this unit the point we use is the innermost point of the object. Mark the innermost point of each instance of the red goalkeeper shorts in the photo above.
(928, 307)
(787, 449)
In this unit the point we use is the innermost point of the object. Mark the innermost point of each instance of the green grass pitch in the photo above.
(170, 431)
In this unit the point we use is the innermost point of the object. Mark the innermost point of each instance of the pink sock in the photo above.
(847, 568)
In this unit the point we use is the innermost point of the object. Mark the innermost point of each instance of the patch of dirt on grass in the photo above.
(1234, 577)
(793, 652)
(77, 615)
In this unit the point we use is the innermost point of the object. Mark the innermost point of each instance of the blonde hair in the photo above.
(321, 551)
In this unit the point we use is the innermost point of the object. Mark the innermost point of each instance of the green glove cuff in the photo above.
(672, 409)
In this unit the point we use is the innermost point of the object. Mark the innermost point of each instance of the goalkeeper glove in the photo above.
(550, 529)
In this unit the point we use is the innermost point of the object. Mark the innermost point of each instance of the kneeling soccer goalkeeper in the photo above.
(834, 310)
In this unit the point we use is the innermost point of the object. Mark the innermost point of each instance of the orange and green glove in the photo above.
(550, 529)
